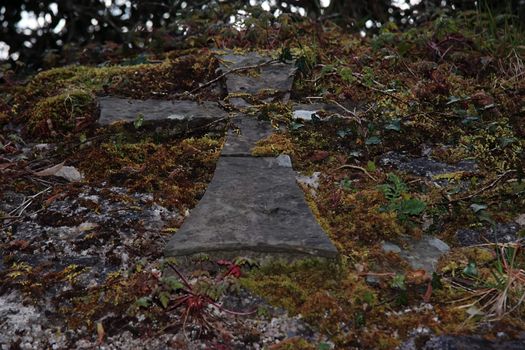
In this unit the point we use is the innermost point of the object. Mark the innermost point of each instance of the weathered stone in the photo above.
(284, 160)
(114, 109)
(307, 111)
(70, 174)
(373, 280)
(461, 342)
(252, 207)
(390, 247)
(422, 254)
(303, 114)
(424, 166)
(425, 253)
(311, 181)
(277, 76)
(520, 220)
(501, 232)
(239, 102)
(245, 134)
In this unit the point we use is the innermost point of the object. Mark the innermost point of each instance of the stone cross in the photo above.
(253, 206)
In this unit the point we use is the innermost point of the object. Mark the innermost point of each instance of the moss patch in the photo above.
(176, 171)
(67, 112)
(273, 145)
(61, 95)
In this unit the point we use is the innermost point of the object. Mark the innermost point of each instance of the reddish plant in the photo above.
(198, 306)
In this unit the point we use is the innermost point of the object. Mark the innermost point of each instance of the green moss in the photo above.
(62, 113)
(327, 294)
(293, 344)
(273, 145)
(356, 217)
(494, 147)
(53, 99)
(176, 171)
(140, 81)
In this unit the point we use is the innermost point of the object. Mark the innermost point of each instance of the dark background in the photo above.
(135, 24)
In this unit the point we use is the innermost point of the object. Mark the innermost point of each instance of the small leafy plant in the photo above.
(197, 299)
(400, 201)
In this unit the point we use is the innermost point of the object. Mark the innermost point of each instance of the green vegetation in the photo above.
(60, 101)
(450, 89)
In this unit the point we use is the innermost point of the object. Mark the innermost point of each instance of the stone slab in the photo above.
(277, 76)
(253, 206)
(244, 135)
(114, 109)
(424, 166)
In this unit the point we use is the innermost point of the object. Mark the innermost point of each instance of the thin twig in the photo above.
(379, 274)
(8, 217)
(410, 70)
(181, 276)
(357, 168)
(483, 189)
(352, 113)
(27, 202)
(358, 78)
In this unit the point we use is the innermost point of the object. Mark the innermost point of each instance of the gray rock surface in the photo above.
(424, 166)
(253, 206)
(244, 135)
(70, 174)
(113, 109)
(311, 181)
(450, 342)
(305, 112)
(425, 253)
(520, 220)
(501, 232)
(277, 76)
(390, 247)
(66, 225)
(420, 254)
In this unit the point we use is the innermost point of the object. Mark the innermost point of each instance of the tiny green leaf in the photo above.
(398, 282)
(505, 141)
(346, 75)
(453, 99)
(374, 140)
(173, 283)
(327, 69)
(138, 121)
(295, 125)
(324, 346)
(143, 302)
(478, 207)
(394, 124)
(164, 299)
(346, 184)
(471, 269)
(412, 206)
